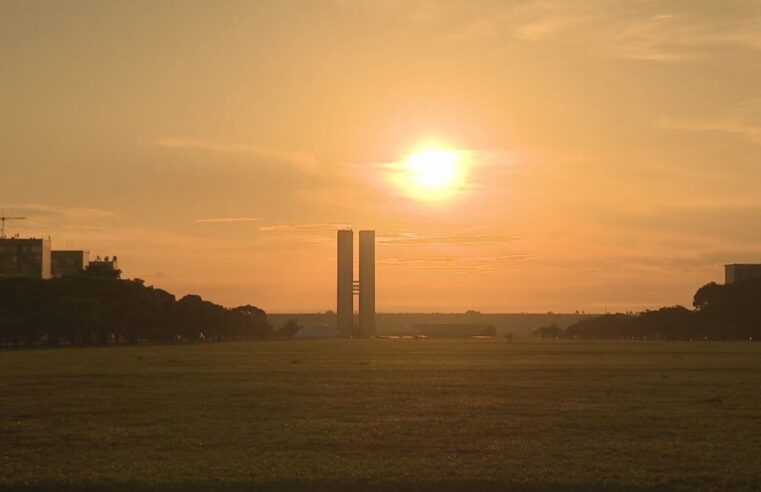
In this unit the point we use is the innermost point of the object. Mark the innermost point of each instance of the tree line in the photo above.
(95, 309)
(720, 312)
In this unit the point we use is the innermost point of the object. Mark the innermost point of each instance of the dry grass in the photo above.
(383, 414)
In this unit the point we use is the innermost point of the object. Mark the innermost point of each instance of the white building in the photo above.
(28, 258)
(737, 272)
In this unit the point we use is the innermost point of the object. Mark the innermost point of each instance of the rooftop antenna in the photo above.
(3, 218)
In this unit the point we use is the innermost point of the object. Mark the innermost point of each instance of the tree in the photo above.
(289, 329)
(550, 331)
(250, 322)
(103, 270)
(707, 295)
(98, 309)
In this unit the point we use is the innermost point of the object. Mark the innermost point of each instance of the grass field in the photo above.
(383, 415)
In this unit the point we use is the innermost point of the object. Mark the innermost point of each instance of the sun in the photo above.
(432, 173)
(433, 168)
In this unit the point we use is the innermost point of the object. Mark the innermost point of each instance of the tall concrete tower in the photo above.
(367, 283)
(345, 298)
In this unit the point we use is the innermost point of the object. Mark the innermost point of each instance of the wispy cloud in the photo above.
(733, 223)
(412, 238)
(663, 32)
(648, 33)
(296, 158)
(458, 263)
(36, 211)
(752, 133)
(744, 120)
(225, 220)
(644, 31)
(321, 227)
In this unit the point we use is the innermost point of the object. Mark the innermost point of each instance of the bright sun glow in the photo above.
(432, 173)
(433, 168)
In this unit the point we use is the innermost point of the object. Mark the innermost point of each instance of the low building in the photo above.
(317, 330)
(737, 272)
(28, 258)
(104, 266)
(454, 330)
(69, 263)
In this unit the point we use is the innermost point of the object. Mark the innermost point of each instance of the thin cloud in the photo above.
(321, 227)
(642, 31)
(42, 211)
(736, 223)
(226, 220)
(411, 238)
(455, 259)
(649, 35)
(724, 125)
(458, 263)
(296, 158)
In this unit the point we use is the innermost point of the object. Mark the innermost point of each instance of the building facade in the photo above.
(105, 266)
(454, 330)
(69, 263)
(737, 272)
(29, 258)
(367, 284)
(347, 287)
(345, 281)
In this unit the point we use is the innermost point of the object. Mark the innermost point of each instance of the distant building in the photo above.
(28, 258)
(69, 263)
(454, 330)
(737, 272)
(348, 287)
(345, 282)
(105, 266)
(317, 330)
(367, 284)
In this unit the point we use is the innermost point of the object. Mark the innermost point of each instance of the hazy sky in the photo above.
(613, 148)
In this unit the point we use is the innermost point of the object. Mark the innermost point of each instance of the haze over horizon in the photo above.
(588, 155)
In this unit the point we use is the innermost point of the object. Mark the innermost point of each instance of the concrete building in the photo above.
(69, 263)
(345, 281)
(348, 287)
(737, 272)
(367, 284)
(28, 258)
(105, 266)
(454, 330)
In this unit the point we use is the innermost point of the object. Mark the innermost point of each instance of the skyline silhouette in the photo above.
(554, 284)
(533, 156)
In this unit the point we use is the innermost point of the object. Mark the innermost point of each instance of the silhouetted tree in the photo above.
(97, 309)
(102, 270)
(550, 331)
(289, 329)
(721, 312)
(250, 322)
(735, 307)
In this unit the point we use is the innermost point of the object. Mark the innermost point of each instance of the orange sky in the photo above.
(614, 148)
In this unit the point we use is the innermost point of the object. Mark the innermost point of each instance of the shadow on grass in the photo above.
(443, 486)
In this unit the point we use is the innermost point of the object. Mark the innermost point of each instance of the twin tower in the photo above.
(348, 287)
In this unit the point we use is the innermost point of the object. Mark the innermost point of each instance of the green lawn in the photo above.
(383, 414)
